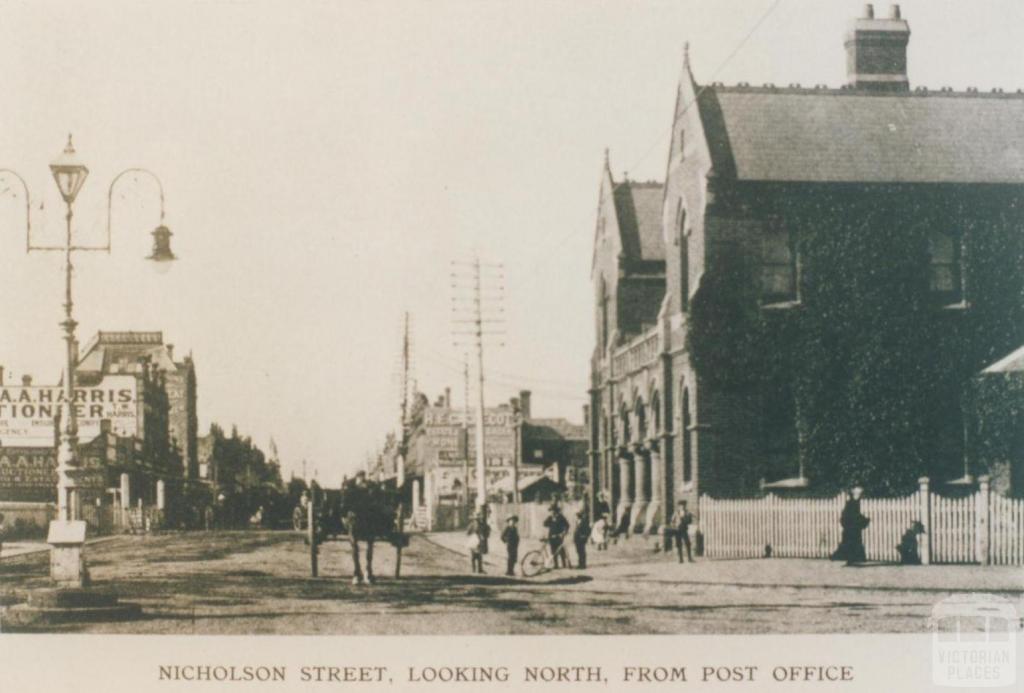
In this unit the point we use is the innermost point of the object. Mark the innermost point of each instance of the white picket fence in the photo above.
(980, 528)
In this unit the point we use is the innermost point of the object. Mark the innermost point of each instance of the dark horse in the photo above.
(370, 512)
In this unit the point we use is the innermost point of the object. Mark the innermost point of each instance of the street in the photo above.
(259, 582)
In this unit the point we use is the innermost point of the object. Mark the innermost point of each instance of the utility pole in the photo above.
(465, 433)
(474, 317)
(404, 404)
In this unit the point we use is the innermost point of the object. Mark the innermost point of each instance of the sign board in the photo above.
(445, 436)
(27, 413)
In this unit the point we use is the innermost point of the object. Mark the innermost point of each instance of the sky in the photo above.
(325, 162)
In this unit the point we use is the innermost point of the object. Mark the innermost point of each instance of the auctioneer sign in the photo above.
(27, 412)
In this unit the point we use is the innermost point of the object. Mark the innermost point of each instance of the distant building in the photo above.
(440, 462)
(120, 352)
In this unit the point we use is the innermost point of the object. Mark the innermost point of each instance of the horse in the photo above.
(370, 512)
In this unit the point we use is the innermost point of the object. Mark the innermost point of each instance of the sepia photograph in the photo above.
(455, 318)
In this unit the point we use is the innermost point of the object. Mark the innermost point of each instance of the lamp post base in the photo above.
(55, 607)
(70, 600)
(67, 566)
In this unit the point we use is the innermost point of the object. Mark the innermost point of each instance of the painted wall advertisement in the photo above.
(27, 413)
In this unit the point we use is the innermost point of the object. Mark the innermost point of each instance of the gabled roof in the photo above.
(1011, 363)
(850, 135)
(638, 208)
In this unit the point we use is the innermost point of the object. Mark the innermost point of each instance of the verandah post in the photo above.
(925, 540)
(981, 522)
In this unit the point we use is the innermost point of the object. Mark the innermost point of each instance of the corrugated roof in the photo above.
(638, 206)
(822, 135)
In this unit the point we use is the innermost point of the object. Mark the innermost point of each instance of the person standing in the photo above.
(681, 521)
(580, 536)
(851, 543)
(557, 527)
(510, 535)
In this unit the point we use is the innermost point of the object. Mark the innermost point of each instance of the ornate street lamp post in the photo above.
(67, 531)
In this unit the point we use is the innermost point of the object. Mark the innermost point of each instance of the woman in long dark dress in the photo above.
(851, 544)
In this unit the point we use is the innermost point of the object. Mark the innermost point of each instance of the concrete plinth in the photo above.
(66, 538)
(59, 606)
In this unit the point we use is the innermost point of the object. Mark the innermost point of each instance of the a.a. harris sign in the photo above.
(27, 413)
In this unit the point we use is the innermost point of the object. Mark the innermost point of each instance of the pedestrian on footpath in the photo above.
(599, 534)
(557, 527)
(851, 543)
(510, 535)
(580, 536)
(476, 541)
(681, 521)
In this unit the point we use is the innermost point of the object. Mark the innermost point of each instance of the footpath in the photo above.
(17, 549)
(639, 560)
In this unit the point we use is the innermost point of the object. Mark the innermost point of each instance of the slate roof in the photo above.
(846, 135)
(638, 207)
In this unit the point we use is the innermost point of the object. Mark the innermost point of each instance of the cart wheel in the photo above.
(533, 564)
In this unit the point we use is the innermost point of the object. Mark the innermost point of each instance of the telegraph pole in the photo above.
(477, 314)
(404, 404)
(465, 433)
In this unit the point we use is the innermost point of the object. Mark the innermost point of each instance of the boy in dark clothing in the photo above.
(580, 537)
(681, 521)
(510, 535)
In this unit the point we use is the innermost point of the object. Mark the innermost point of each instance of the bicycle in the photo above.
(540, 561)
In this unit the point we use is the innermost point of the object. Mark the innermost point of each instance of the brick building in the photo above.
(828, 219)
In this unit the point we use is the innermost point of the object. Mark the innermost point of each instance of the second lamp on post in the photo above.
(67, 532)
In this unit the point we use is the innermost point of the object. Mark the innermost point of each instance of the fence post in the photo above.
(925, 540)
(981, 521)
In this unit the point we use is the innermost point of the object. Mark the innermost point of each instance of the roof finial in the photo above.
(607, 163)
(70, 148)
(686, 52)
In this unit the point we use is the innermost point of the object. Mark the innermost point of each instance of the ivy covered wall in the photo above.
(877, 368)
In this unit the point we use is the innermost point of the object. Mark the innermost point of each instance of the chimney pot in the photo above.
(524, 403)
(26, 380)
(869, 11)
(170, 351)
(894, 12)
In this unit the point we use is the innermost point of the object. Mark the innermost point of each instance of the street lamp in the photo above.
(67, 532)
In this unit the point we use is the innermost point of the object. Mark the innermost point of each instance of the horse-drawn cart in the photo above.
(360, 511)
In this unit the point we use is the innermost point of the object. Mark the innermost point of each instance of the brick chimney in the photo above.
(26, 380)
(524, 403)
(447, 398)
(876, 51)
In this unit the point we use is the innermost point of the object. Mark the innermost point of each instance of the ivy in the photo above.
(878, 371)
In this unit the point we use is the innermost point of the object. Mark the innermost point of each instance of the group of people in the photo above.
(557, 530)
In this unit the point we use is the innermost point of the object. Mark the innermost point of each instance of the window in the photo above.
(944, 270)
(687, 438)
(778, 266)
(604, 315)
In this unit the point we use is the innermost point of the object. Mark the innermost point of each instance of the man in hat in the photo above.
(557, 527)
(580, 537)
(510, 535)
(681, 521)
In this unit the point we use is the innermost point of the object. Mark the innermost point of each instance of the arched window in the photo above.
(687, 436)
(603, 317)
(656, 413)
(641, 420)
